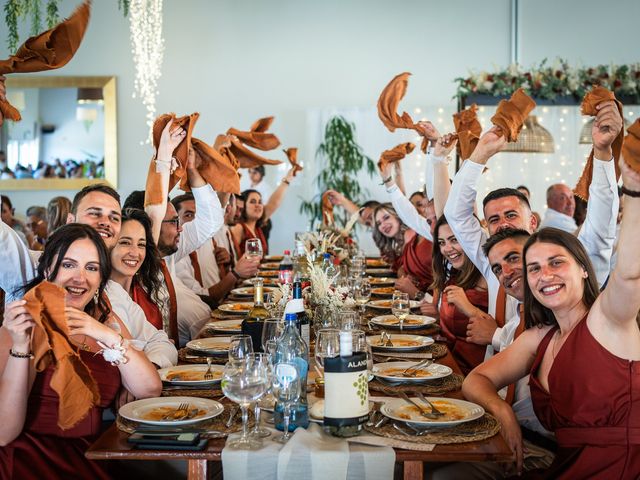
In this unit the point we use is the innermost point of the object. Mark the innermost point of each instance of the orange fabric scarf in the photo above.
(48, 51)
(292, 155)
(468, 130)
(631, 146)
(71, 380)
(396, 154)
(511, 114)
(257, 136)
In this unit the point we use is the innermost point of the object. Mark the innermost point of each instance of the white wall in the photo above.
(237, 60)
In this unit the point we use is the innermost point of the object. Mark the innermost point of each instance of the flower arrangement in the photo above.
(550, 81)
(323, 292)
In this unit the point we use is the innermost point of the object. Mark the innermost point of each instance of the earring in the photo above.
(585, 274)
(96, 297)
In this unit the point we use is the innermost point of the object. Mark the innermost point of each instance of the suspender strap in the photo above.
(173, 304)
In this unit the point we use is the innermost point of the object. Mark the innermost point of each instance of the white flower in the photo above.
(487, 85)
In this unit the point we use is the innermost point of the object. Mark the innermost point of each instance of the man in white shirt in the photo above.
(200, 271)
(99, 207)
(561, 206)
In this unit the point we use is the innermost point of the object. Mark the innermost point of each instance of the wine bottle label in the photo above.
(346, 390)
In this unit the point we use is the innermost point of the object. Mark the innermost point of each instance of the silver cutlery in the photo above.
(434, 410)
(422, 411)
(232, 413)
(208, 375)
(413, 369)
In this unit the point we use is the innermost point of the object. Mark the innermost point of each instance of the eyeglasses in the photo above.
(174, 221)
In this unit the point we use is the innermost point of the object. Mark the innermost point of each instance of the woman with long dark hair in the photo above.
(35, 439)
(582, 351)
(460, 292)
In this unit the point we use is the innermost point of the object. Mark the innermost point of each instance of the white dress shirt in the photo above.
(556, 219)
(209, 270)
(408, 213)
(597, 233)
(193, 313)
(17, 267)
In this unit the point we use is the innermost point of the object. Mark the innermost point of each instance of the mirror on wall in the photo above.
(67, 136)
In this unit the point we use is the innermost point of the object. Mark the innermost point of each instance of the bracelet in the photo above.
(20, 354)
(630, 193)
(284, 180)
(386, 180)
(115, 354)
(418, 296)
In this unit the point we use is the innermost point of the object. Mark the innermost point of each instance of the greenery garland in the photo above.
(551, 81)
(19, 10)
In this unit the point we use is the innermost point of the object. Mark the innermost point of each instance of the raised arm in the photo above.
(161, 165)
(16, 265)
(440, 166)
(275, 200)
(339, 199)
(598, 232)
(619, 303)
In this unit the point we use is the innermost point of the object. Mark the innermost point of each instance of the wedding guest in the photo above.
(58, 210)
(366, 209)
(34, 443)
(593, 414)
(255, 214)
(37, 225)
(560, 208)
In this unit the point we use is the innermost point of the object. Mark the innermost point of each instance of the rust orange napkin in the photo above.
(593, 97)
(49, 50)
(327, 209)
(511, 114)
(395, 154)
(388, 103)
(247, 158)
(72, 379)
(631, 146)
(468, 131)
(292, 155)
(257, 136)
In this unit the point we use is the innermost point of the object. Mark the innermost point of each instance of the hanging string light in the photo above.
(148, 51)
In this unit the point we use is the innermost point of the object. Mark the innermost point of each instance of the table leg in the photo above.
(197, 470)
(413, 470)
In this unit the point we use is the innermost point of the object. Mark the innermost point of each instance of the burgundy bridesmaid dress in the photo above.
(593, 406)
(43, 450)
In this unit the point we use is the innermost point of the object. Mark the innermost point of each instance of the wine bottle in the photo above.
(292, 349)
(253, 324)
(346, 391)
(296, 305)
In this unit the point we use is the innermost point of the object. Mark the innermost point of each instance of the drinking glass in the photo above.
(253, 248)
(323, 317)
(400, 306)
(286, 387)
(270, 347)
(244, 383)
(240, 347)
(264, 361)
(348, 320)
(360, 344)
(271, 330)
(362, 294)
(327, 345)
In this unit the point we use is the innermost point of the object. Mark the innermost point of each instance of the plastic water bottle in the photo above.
(292, 349)
(328, 266)
(285, 272)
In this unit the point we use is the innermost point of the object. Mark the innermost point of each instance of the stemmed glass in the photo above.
(327, 345)
(348, 319)
(271, 330)
(264, 361)
(400, 306)
(244, 383)
(323, 317)
(362, 294)
(360, 344)
(286, 387)
(253, 248)
(240, 347)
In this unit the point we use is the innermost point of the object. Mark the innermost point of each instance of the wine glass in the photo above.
(240, 347)
(270, 347)
(360, 344)
(348, 319)
(286, 387)
(244, 383)
(253, 248)
(400, 306)
(271, 330)
(327, 345)
(362, 294)
(264, 361)
(323, 317)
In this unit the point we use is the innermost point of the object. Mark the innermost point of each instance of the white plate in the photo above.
(270, 266)
(420, 341)
(386, 304)
(234, 308)
(391, 321)
(395, 407)
(248, 291)
(137, 410)
(215, 345)
(269, 282)
(272, 258)
(216, 370)
(226, 326)
(435, 369)
(381, 281)
(378, 271)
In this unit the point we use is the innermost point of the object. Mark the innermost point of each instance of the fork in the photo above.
(423, 412)
(208, 375)
(178, 413)
(434, 410)
(413, 369)
(388, 342)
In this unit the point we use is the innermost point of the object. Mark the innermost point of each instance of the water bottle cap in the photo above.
(290, 317)
(327, 255)
(287, 252)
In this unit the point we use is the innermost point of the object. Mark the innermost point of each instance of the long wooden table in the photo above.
(112, 445)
